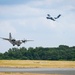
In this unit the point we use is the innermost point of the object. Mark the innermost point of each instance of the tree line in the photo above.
(63, 52)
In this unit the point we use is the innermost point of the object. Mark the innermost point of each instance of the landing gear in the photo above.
(18, 45)
(13, 45)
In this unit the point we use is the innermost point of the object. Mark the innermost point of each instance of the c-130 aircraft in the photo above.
(14, 41)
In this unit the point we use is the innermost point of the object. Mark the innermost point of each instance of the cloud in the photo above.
(13, 2)
(18, 11)
(33, 17)
(29, 20)
(5, 26)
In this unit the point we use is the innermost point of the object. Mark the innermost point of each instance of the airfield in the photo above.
(68, 71)
(37, 67)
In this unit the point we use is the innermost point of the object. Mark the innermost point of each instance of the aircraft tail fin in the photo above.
(10, 37)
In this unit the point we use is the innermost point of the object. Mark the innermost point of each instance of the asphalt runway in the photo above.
(65, 71)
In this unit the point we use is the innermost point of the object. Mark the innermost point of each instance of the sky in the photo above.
(26, 19)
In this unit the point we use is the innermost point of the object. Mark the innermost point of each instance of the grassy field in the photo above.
(25, 74)
(37, 63)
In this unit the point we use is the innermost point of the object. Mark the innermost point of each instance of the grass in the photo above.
(37, 63)
(26, 74)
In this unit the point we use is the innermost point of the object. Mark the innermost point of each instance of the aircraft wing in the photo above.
(58, 16)
(4, 38)
(29, 40)
(50, 18)
(26, 40)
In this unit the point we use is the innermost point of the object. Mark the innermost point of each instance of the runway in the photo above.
(69, 71)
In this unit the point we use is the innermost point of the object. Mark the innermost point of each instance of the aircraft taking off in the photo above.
(49, 17)
(15, 42)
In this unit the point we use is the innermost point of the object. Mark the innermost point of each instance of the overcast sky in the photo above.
(26, 19)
